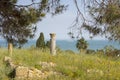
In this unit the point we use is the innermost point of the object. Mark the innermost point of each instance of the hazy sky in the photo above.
(58, 24)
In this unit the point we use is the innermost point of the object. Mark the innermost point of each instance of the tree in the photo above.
(103, 18)
(40, 43)
(17, 21)
(48, 44)
(81, 44)
(107, 18)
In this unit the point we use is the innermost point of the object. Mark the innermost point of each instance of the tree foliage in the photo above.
(101, 17)
(17, 21)
(81, 44)
(48, 44)
(107, 19)
(40, 43)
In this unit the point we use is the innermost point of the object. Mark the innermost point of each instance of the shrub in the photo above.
(111, 51)
(69, 51)
(40, 43)
(90, 51)
(81, 44)
(48, 44)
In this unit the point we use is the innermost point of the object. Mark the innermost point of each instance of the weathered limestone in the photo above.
(30, 73)
(7, 59)
(9, 62)
(53, 43)
(47, 65)
(10, 48)
(21, 72)
(95, 71)
(35, 73)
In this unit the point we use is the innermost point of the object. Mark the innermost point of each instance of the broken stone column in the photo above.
(52, 44)
(10, 48)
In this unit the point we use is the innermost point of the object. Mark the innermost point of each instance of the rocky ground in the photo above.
(23, 72)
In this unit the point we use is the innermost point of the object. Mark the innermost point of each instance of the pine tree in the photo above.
(104, 19)
(40, 43)
(17, 20)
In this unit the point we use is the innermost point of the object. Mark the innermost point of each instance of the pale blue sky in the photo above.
(58, 24)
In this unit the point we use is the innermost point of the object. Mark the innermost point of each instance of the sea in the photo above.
(71, 44)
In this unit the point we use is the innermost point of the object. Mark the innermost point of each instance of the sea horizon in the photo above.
(71, 44)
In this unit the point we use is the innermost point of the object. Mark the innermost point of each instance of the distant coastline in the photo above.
(70, 44)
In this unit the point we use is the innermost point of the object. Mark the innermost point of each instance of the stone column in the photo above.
(52, 44)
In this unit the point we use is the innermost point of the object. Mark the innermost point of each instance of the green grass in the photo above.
(71, 66)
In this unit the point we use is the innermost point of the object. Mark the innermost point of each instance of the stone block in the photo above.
(22, 72)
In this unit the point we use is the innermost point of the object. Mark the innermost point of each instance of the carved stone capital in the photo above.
(52, 35)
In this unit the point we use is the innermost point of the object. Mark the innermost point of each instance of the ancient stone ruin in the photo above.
(30, 73)
(53, 43)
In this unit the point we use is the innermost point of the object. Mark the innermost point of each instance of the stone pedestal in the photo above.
(52, 44)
